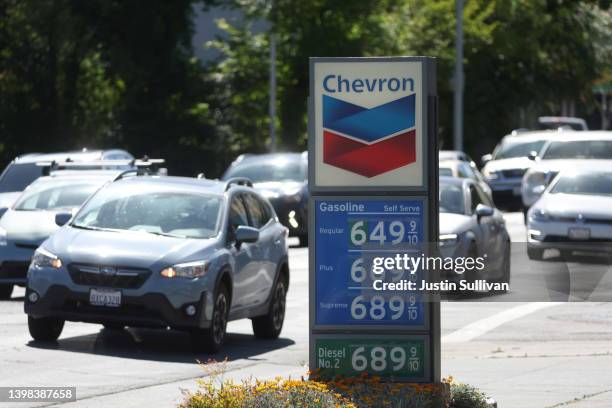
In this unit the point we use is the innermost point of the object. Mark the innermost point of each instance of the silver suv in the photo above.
(154, 251)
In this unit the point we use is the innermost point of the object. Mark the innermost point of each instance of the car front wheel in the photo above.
(45, 328)
(211, 339)
(269, 326)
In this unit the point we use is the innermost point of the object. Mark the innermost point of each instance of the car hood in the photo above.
(28, 226)
(273, 189)
(8, 199)
(572, 205)
(507, 164)
(126, 248)
(451, 223)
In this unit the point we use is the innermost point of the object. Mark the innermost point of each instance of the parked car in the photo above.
(505, 167)
(470, 225)
(462, 169)
(574, 213)
(556, 122)
(568, 151)
(175, 252)
(23, 170)
(32, 219)
(282, 179)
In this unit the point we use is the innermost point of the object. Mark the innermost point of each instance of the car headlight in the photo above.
(539, 215)
(491, 175)
(186, 270)
(43, 258)
(3, 240)
(448, 239)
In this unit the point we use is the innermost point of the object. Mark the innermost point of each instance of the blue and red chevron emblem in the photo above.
(371, 141)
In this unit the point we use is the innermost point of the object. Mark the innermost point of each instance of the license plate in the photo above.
(516, 191)
(579, 233)
(105, 297)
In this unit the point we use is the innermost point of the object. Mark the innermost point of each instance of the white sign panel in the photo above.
(368, 123)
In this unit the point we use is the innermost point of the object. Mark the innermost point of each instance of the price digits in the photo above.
(381, 358)
(383, 232)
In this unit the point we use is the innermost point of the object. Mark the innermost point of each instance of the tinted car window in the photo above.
(261, 171)
(517, 148)
(126, 207)
(238, 214)
(259, 212)
(54, 197)
(445, 171)
(17, 177)
(451, 199)
(475, 198)
(589, 184)
(587, 149)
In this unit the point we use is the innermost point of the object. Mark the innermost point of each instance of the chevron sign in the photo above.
(370, 141)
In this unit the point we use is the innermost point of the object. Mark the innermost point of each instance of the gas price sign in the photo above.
(390, 356)
(350, 233)
(373, 181)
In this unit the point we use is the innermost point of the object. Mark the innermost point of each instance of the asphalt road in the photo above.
(524, 354)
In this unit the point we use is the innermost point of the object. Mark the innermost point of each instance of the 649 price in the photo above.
(384, 232)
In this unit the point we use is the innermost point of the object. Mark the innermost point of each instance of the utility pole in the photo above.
(272, 102)
(458, 106)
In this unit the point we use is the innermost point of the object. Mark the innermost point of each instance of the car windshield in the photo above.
(17, 177)
(147, 209)
(446, 171)
(579, 149)
(517, 148)
(55, 196)
(279, 170)
(451, 199)
(597, 183)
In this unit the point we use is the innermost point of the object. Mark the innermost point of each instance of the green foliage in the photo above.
(522, 57)
(466, 396)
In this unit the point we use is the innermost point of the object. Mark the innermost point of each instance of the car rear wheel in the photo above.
(269, 326)
(535, 254)
(6, 291)
(211, 339)
(45, 328)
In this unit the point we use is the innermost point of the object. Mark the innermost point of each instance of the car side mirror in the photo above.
(486, 158)
(246, 234)
(532, 155)
(483, 211)
(62, 218)
(539, 189)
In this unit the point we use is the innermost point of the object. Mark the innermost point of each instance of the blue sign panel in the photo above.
(351, 236)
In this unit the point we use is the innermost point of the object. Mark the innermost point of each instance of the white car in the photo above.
(567, 151)
(463, 169)
(574, 213)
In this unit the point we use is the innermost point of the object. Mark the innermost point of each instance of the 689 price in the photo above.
(380, 359)
(384, 232)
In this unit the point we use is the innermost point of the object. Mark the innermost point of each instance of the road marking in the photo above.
(480, 327)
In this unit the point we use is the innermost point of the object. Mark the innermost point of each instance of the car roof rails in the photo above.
(97, 164)
(238, 181)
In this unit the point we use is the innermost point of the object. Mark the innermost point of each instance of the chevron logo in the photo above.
(370, 141)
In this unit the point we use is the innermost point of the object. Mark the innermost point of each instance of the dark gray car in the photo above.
(174, 252)
(470, 225)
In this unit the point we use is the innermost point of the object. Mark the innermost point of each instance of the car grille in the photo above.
(513, 173)
(108, 276)
(14, 269)
(576, 220)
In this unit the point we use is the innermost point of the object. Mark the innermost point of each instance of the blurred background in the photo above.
(189, 80)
